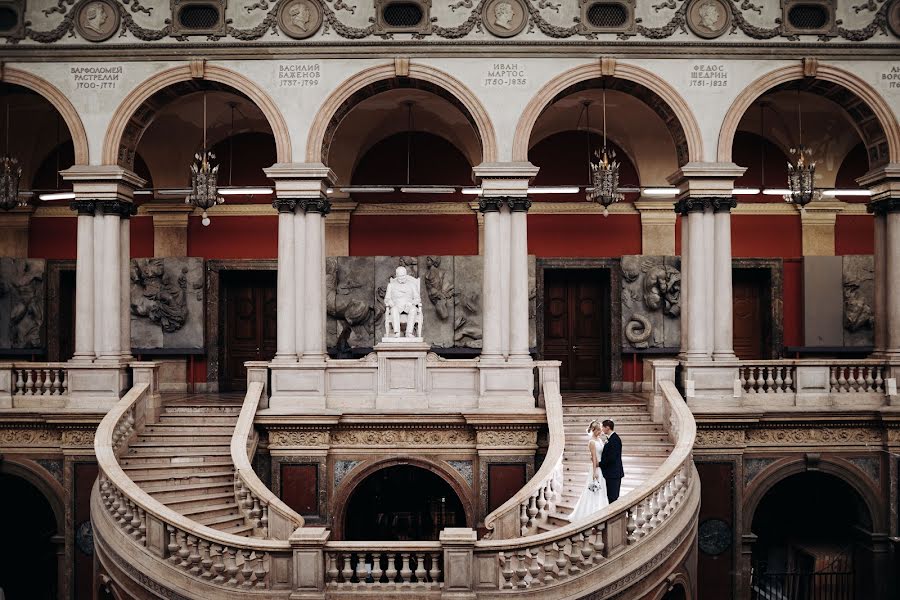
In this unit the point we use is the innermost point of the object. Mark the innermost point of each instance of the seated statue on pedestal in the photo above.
(403, 298)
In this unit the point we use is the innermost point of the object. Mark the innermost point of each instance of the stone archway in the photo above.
(37, 478)
(60, 102)
(351, 484)
(684, 127)
(873, 101)
(118, 147)
(367, 82)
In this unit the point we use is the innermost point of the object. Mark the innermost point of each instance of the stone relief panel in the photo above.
(23, 289)
(467, 301)
(437, 299)
(858, 281)
(167, 303)
(350, 301)
(651, 302)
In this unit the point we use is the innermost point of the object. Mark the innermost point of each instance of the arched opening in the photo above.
(402, 502)
(401, 141)
(31, 562)
(811, 530)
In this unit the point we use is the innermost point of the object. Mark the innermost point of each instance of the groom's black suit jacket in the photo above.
(611, 458)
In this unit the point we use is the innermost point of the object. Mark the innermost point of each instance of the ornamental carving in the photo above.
(504, 437)
(98, 20)
(22, 295)
(402, 437)
(82, 438)
(719, 438)
(651, 302)
(29, 437)
(790, 436)
(167, 303)
(858, 281)
(893, 436)
(291, 438)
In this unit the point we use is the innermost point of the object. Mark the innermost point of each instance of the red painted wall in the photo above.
(413, 235)
(583, 235)
(52, 238)
(766, 236)
(234, 237)
(141, 237)
(854, 234)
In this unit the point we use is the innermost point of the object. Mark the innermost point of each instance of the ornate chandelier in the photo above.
(802, 171)
(605, 172)
(10, 174)
(204, 177)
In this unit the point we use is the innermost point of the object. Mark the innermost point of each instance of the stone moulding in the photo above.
(542, 15)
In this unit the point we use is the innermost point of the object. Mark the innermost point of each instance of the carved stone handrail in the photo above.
(205, 556)
(390, 566)
(270, 516)
(559, 556)
(532, 504)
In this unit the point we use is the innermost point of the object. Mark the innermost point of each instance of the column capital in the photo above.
(301, 180)
(120, 208)
(286, 205)
(504, 179)
(518, 203)
(689, 205)
(714, 180)
(84, 206)
(319, 205)
(883, 182)
(881, 207)
(723, 204)
(492, 204)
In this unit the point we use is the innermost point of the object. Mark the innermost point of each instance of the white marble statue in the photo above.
(403, 298)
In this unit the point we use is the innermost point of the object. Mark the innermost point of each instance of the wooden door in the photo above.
(576, 327)
(250, 323)
(752, 327)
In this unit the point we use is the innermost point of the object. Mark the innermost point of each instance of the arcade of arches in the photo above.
(779, 324)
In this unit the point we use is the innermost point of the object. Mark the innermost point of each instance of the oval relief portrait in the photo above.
(97, 20)
(504, 18)
(893, 18)
(708, 18)
(300, 19)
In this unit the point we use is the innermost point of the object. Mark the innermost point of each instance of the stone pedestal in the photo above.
(505, 387)
(297, 387)
(401, 374)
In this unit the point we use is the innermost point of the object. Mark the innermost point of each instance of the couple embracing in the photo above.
(606, 459)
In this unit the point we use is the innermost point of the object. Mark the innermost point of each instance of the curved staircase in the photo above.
(178, 513)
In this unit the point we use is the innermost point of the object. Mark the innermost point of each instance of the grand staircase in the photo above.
(184, 461)
(645, 445)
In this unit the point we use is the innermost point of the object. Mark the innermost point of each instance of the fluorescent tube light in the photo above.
(246, 191)
(174, 192)
(777, 192)
(553, 190)
(58, 196)
(373, 189)
(660, 191)
(833, 193)
(745, 191)
(471, 191)
(427, 190)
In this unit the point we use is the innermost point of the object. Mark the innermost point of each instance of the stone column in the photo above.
(84, 281)
(709, 272)
(491, 303)
(298, 277)
(125, 280)
(314, 309)
(518, 275)
(723, 306)
(693, 264)
(110, 300)
(286, 341)
(884, 183)
(97, 270)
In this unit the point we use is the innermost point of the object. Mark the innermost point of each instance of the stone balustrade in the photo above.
(393, 566)
(38, 384)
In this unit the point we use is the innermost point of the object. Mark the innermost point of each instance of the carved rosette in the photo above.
(289, 438)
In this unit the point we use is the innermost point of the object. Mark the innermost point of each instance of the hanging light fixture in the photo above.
(605, 172)
(204, 176)
(10, 174)
(802, 171)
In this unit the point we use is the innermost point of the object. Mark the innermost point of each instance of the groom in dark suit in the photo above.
(611, 462)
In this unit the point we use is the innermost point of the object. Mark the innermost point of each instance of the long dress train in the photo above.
(591, 501)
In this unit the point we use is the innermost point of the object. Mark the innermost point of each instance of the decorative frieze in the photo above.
(804, 436)
(720, 438)
(78, 438)
(506, 437)
(21, 437)
(287, 438)
(404, 438)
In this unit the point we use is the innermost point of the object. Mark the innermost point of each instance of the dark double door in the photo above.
(576, 327)
(250, 323)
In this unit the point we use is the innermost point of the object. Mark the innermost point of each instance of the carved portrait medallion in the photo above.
(893, 18)
(708, 18)
(97, 20)
(504, 18)
(300, 19)
(714, 537)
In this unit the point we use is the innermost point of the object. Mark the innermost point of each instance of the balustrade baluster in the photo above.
(218, 566)
(542, 502)
(54, 382)
(127, 515)
(360, 570)
(879, 380)
(586, 549)
(742, 375)
(264, 520)
(523, 519)
(760, 381)
(405, 571)
(29, 383)
(562, 560)
(64, 381)
(789, 379)
(420, 567)
(653, 507)
(832, 382)
(194, 556)
(332, 571)
(631, 525)
(506, 572)
(521, 569)
(434, 572)
(868, 380)
(597, 545)
(548, 564)
(20, 383)
(842, 381)
(391, 572)
(575, 554)
(260, 572)
(770, 383)
(246, 569)
(779, 380)
(347, 571)
(205, 560)
(231, 566)
(534, 566)
(173, 545)
(135, 521)
(377, 571)
(255, 512)
(183, 551)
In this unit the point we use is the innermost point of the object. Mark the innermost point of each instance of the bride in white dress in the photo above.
(593, 498)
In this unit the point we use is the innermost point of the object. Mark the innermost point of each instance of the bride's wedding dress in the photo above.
(591, 501)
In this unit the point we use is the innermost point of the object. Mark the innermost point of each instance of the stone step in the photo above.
(210, 511)
(220, 521)
(202, 407)
(197, 420)
(580, 428)
(183, 440)
(176, 469)
(243, 529)
(172, 479)
(182, 431)
(137, 450)
(156, 459)
(165, 491)
(178, 501)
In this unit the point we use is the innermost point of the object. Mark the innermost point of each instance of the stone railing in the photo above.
(536, 500)
(393, 566)
(270, 517)
(37, 383)
(582, 555)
